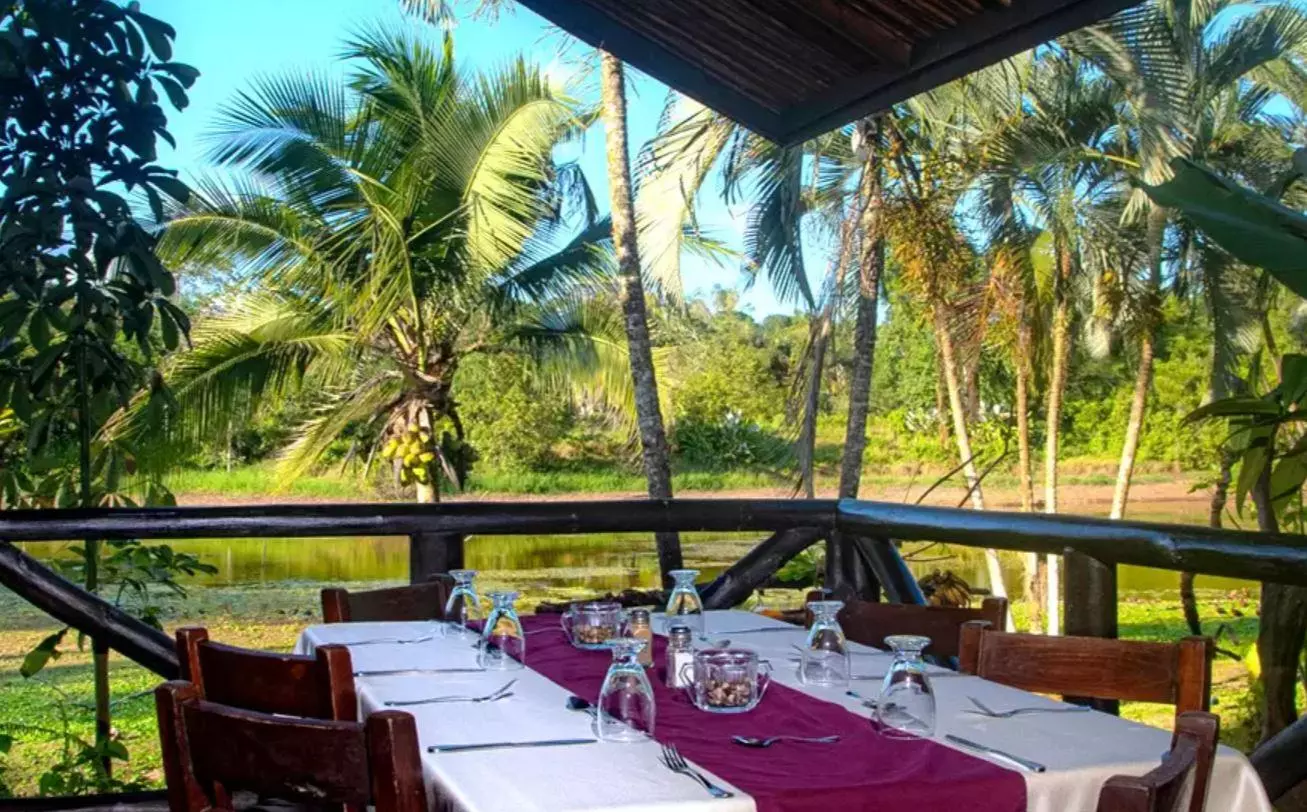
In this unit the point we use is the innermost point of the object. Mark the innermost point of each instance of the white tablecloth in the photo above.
(1080, 750)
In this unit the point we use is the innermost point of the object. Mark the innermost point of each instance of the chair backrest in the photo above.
(1177, 674)
(416, 602)
(211, 750)
(870, 623)
(1182, 777)
(317, 687)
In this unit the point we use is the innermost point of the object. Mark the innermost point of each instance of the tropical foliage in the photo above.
(388, 226)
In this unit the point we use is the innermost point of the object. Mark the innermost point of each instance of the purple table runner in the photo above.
(864, 772)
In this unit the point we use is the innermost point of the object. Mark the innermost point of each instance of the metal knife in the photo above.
(390, 672)
(1023, 763)
(460, 748)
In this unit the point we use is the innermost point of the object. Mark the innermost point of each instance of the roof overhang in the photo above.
(793, 69)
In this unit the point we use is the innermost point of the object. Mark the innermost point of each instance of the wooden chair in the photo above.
(1177, 674)
(211, 750)
(316, 687)
(1193, 748)
(416, 602)
(870, 623)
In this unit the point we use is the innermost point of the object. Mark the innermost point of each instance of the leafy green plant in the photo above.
(82, 82)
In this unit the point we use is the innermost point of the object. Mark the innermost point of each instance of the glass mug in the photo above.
(727, 680)
(591, 626)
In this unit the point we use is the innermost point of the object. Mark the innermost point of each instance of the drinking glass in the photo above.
(503, 643)
(907, 700)
(826, 661)
(626, 700)
(683, 604)
(464, 604)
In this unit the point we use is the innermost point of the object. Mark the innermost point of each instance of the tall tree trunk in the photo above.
(1144, 375)
(1135, 427)
(1032, 587)
(871, 264)
(948, 359)
(807, 443)
(1282, 629)
(653, 437)
(1057, 379)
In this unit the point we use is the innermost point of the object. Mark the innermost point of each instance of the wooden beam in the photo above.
(433, 554)
(979, 41)
(1275, 557)
(757, 567)
(397, 519)
(68, 603)
(890, 569)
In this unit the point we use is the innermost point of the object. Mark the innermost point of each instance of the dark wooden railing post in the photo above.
(1089, 605)
(431, 554)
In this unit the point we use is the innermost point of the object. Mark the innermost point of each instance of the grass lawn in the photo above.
(272, 616)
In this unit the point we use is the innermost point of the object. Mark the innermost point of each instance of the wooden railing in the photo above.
(860, 536)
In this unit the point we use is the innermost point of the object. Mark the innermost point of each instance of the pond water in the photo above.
(597, 562)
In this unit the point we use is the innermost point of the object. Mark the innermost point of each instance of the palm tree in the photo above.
(390, 224)
(1048, 170)
(653, 436)
(1174, 63)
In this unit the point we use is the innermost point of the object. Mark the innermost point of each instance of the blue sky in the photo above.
(232, 42)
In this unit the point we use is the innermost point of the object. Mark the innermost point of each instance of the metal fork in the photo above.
(393, 641)
(674, 761)
(502, 692)
(984, 710)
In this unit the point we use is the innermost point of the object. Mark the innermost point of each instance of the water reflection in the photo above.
(600, 562)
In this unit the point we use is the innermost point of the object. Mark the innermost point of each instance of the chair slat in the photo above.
(1173, 673)
(416, 602)
(320, 762)
(319, 686)
(1179, 784)
(870, 623)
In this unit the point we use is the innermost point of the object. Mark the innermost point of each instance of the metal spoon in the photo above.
(756, 741)
(576, 703)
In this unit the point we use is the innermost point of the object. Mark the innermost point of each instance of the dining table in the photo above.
(399, 664)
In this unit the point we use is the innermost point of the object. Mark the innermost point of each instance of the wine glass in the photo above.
(464, 604)
(826, 661)
(503, 643)
(907, 700)
(683, 604)
(626, 701)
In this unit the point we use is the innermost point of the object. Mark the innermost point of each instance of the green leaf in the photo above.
(176, 94)
(38, 331)
(157, 33)
(172, 187)
(1289, 474)
(1254, 228)
(1234, 407)
(45, 651)
(184, 74)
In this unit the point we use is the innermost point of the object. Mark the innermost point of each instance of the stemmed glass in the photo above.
(464, 604)
(684, 604)
(626, 700)
(503, 643)
(826, 660)
(907, 700)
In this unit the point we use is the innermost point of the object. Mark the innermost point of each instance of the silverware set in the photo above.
(391, 672)
(502, 692)
(674, 761)
(984, 710)
(394, 641)
(463, 748)
(1001, 755)
(768, 741)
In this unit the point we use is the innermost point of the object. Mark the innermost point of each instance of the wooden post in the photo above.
(1090, 605)
(431, 554)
